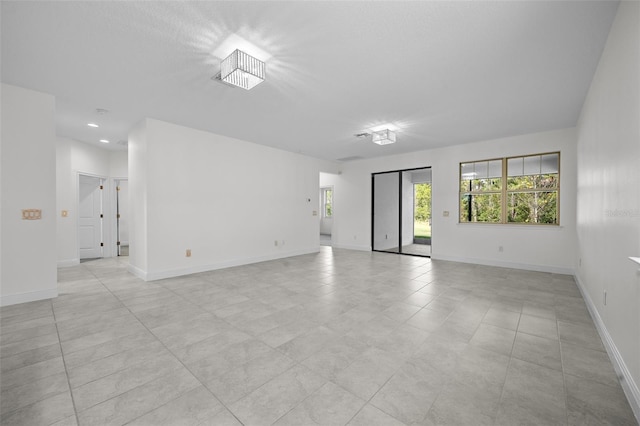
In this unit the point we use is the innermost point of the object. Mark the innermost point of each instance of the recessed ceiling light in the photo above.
(104, 141)
(92, 125)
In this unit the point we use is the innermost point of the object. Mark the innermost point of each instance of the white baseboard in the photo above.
(137, 272)
(31, 296)
(512, 265)
(68, 262)
(629, 386)
(177, 272)
(351, 247)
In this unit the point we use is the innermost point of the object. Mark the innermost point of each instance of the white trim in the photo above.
(629, 386)
(177, 272)
(32, 296)
(137, 272)
(527, 267)
(115, 182)
(68, 262)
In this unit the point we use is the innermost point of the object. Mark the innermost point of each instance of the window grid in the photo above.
(500, 192)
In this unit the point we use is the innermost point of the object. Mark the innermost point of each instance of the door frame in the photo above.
(399, 172)
(113, 213)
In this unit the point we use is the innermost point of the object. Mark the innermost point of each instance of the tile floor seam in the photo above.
(132, 389)
(296, 405)
(564, 385)
(66, 370)
(382, 387)
(30, 404)
(502, 392)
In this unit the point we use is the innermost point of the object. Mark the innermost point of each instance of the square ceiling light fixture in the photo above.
(384, 137)
(242, 70)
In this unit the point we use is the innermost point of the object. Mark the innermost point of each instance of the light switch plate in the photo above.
(31, 214)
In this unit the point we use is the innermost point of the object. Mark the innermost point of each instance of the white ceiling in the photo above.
(443, 73)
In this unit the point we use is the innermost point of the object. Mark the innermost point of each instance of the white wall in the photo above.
(73, 158)
(548, 248)
(28, 270)
(608, 219)
(225, 199)
(138, 171)
(118, 164)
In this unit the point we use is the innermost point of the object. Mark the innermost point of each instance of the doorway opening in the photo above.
(401, 212)
(90, 217)
(326, 215)
(122, 217)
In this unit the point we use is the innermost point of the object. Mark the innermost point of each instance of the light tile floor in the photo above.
(339, 337)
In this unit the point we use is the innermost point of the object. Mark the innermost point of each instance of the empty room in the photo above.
(320, 213)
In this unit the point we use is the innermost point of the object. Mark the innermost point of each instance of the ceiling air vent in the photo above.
(355, 157)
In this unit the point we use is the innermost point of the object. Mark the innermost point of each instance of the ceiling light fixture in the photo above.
(242, 70)
(384, 137)
(104, 141)
(92, 125)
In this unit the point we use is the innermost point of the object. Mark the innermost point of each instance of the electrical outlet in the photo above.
(188, 254)
(386, 236)
(445, 213)
(500, 249)
(275, 243)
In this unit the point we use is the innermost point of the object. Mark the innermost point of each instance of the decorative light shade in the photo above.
(384, 137)
(242, 70)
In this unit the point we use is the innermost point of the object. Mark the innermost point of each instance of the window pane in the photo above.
(466, 170)
(486, 185)
(480, 208)
(532, 207)
(520, 182)
(549, 164)
(515, 167)
(532, 165)
(495, 169)
(327, 196)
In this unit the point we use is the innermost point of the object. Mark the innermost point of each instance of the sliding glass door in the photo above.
(401, 212)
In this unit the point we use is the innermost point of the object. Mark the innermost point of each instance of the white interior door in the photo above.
(89, 220)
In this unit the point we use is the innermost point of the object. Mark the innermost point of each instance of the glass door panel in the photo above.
(386, 212)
